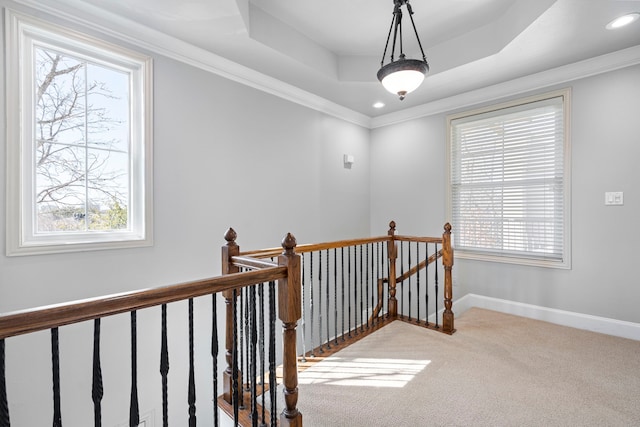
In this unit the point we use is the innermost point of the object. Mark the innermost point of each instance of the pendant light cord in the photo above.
(395, 22)
(410, 10)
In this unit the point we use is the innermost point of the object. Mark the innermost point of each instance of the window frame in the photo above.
(565, 262)
(23, 35)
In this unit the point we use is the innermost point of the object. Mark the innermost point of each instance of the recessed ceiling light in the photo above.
(378, 105)
(623, 20)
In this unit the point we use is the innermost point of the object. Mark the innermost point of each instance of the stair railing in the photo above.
(409, 266)
(337, 289)
(285, 271)
(289, 312)
(352, 287)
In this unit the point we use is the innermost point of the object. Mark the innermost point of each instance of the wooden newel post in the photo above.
(229, 250)
(392, 253)
(290, 311)
(447, 262)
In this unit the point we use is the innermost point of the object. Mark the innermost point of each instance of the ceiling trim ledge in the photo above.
(578, 70)
(134, 34)
(159, 43)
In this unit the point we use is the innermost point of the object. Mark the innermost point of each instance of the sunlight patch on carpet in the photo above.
(363, 372)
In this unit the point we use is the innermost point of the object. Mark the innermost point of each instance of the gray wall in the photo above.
(228, 155)
(409, 185)
(224, 155)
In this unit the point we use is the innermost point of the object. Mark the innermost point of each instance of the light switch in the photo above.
(614, 198)
(349, 159)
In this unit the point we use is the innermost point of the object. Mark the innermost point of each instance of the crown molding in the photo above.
(567, 73)
(134, 34)
(154, 41)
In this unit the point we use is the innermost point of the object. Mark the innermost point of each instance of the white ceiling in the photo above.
(332, 48)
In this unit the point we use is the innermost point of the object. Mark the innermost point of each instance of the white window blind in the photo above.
(508, 183)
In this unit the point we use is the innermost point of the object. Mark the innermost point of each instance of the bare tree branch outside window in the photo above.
(81, 145)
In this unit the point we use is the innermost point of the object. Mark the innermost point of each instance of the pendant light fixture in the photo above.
(403, 75)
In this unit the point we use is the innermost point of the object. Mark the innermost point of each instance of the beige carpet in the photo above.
(496, 370)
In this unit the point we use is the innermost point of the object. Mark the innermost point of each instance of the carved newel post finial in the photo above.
(392, 226)
(447, 228)
(230, 236)
(289, 243)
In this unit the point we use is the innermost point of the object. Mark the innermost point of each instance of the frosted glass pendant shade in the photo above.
(403, 76)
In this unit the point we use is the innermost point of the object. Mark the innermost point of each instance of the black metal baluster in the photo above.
(401, 283)
(373, 281)
(385, 273)
(96, 385)
(304, 323)
(366, 287)
(192, 379)
(254, 358)
(134, 412)
(262, 352)
(328, 299)
(409, 284)
(361, 293)
(426, 279)
(436, 284)
(214, 357)
(349, 288)
(378, 268)
(320, 301)
(387, 265)
(241, 347)
(4, 402)
(272, 354)
(335, 294)
(311, 299)
(55, 363)
(355, 290)
(247, 337)
(342, 284)
(385, 287)
(164, 367)
(234, 360)
(418, 284)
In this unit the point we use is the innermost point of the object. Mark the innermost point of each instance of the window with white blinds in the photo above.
(509, 182)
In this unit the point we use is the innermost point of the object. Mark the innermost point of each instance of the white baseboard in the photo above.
(604, 325)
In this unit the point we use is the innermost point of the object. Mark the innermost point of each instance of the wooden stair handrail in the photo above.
(311, 247)
(252, 263)
(51, 316)
(420, 266)
(418, 239)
